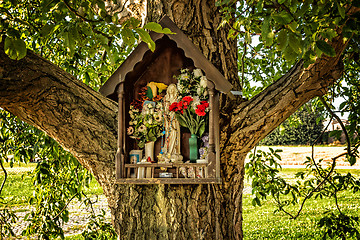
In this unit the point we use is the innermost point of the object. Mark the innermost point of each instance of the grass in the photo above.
(19, 187)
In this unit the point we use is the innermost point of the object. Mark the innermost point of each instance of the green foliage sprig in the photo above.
(313, 182)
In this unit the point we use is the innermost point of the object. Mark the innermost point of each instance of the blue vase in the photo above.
(193, 148)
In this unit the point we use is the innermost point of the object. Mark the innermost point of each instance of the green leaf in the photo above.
(265, 27)
(341, 9)
(325, 48)
(45, 31)
(295, 43)
(282, 18)
(134, 22)
(74, 34)
(128, 36)
(149, 93)
(293, 25)
(305, 6)
(282, 40)
(269, 38)
(69, 42)
(202, 129)
(352, 160)
(289, 55)
(181, 120)
(15, 48)
(155, 27)
(248, 37)
(145, 36)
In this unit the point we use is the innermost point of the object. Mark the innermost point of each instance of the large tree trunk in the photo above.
(84, 122)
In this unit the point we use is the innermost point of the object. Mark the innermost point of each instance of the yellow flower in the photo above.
(161, 86)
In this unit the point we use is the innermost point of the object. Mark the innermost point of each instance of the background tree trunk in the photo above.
(84, 122)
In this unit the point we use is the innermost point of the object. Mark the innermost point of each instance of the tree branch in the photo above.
(79, 118)
(5, 176)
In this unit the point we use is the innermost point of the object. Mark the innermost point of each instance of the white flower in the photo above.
(131, 123)
(150, 121)
(136, 110)
(151, 111)
(158, 117)
(206, 93)
(180, 87)
(184, 76)
(198, 91)
(197, 72)
(130, 130)
(142, 128)
(135, 122)
(149, 106)
(203, 82)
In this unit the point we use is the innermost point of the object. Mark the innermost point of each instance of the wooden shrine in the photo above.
(136, 77)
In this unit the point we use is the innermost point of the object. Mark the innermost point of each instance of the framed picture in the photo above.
(135, 156)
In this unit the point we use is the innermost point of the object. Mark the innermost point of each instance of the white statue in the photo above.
(171, 149)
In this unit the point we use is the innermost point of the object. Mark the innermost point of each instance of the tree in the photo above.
(302, 128)
(84, 122)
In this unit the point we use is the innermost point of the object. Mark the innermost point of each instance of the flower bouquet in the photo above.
(146, 122)
(191, 114)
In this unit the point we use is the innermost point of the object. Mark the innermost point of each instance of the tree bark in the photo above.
(84, 122)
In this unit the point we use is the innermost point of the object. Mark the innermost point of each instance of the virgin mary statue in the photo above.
(171, 149)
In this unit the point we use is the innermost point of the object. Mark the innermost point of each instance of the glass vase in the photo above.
(193, 148)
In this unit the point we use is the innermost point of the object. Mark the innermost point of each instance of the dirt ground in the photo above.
(295, 156)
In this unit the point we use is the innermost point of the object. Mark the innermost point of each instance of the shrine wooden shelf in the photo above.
(169, 181)
(177, 178)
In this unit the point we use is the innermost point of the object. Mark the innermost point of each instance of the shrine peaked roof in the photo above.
(182, 42)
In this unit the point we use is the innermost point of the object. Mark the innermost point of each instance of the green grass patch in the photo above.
(74, 237)
(19, 186)
(17, 189)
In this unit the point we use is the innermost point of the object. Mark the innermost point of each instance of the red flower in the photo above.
(188, 99)
(173, 107)
(180, 106)
(205, 103)
(200, 112)
(201, 107)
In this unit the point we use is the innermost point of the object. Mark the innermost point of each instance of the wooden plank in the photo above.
(166, 165)
(217, 133)
(143, 181)
(120, 161)
(212, 122)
